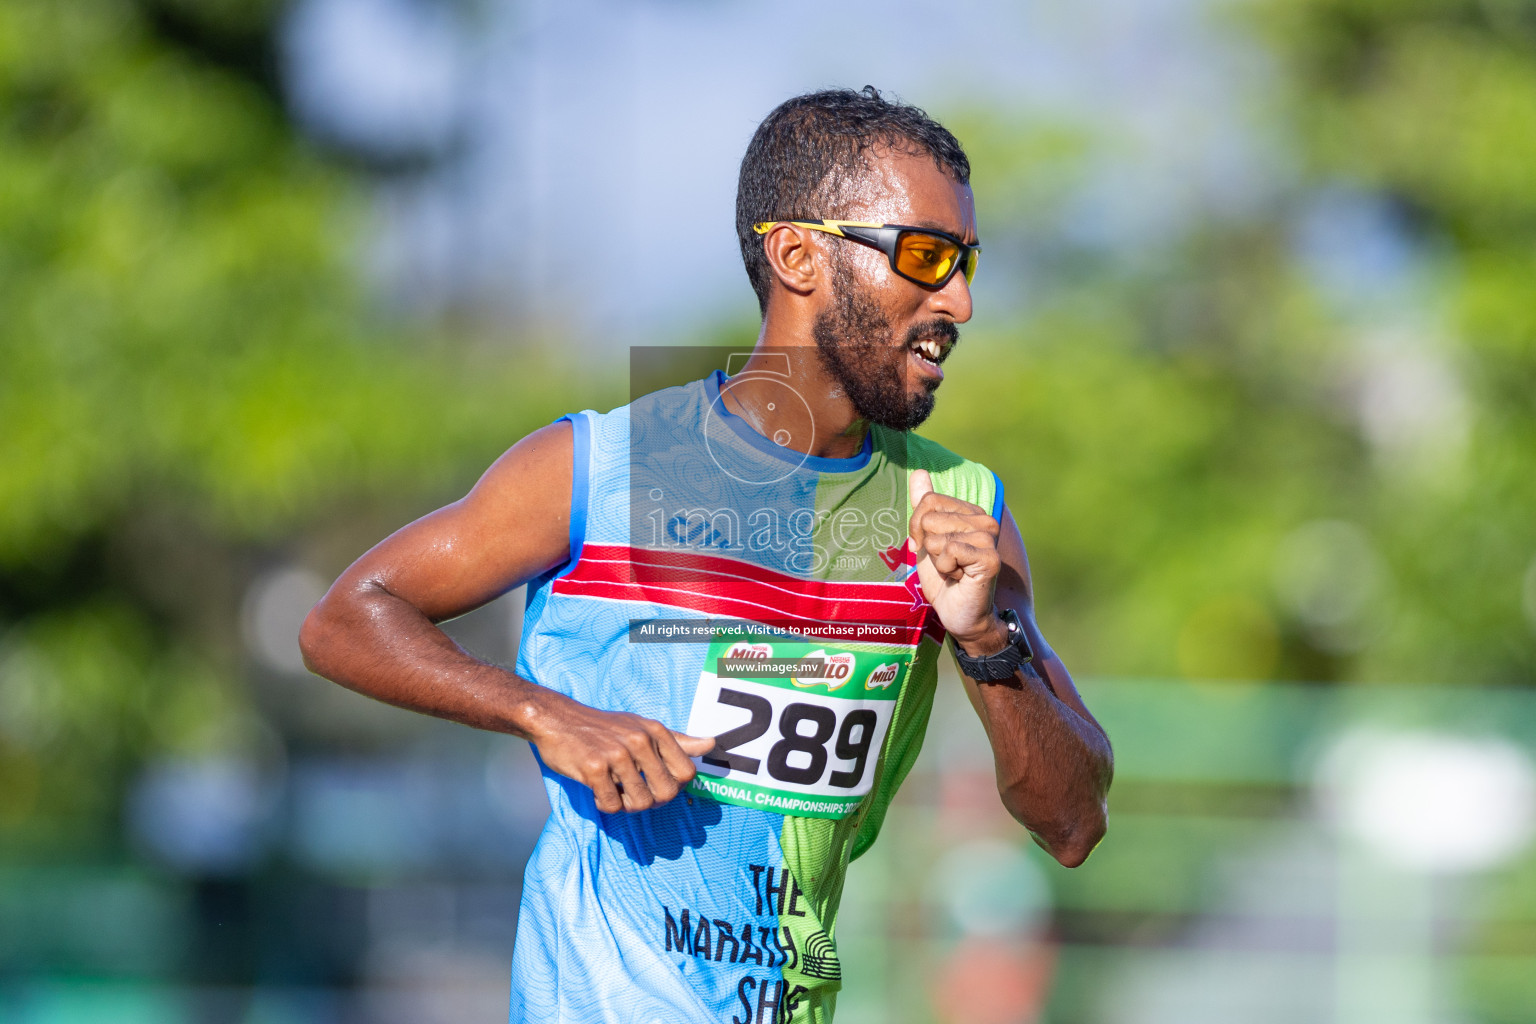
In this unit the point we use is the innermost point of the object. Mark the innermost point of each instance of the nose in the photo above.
(953, 300)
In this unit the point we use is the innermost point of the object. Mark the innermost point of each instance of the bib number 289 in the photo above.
(787, 741)
(800, 754)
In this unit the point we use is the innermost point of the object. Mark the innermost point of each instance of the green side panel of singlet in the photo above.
(817, 851)
(958, 478)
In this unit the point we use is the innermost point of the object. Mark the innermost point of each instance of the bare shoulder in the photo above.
(513, 525)
(517, 517)
(535, 471)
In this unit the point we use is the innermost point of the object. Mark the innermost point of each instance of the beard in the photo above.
(855, 345)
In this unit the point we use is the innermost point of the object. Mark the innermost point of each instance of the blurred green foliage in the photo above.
(1432, 103)
(1255, 461)
(191, 378)
(196, 383)
(1225, 468)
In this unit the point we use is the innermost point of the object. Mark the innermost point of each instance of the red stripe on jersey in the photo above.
(695, 563)
(727, 587)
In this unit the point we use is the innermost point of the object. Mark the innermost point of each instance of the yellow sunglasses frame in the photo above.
(886, 238)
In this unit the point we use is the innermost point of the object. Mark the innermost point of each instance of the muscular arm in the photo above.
(375, 631)
(1053, 760)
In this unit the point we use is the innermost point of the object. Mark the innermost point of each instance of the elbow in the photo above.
(1069, 839)
(316, 638)
(1073, 848)
(1079, 832)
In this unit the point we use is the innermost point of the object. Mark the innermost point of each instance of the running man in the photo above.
(738, 593)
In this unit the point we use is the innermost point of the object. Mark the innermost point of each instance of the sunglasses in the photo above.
(921, 255)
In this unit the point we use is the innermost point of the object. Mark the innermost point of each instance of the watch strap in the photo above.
(1006, 663)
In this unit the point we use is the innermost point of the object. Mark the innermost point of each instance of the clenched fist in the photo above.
(957, 565)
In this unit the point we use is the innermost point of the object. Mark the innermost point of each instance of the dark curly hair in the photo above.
(805, 157)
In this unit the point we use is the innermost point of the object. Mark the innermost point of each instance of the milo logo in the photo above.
(752, 651)
(838, 670)
(883, 676)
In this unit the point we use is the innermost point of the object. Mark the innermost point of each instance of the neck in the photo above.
(822, 423)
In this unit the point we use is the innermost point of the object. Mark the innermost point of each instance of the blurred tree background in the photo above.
(194, 384)
(1294, 442)
(1431, 108)
(1298, 443)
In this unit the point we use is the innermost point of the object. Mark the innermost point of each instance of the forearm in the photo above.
(1053, 763)
(380, 645)
(371, 641)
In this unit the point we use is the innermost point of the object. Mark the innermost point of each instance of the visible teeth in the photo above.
(930, 348)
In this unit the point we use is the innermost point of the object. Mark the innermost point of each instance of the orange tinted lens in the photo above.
(925, 258)
(970, 265)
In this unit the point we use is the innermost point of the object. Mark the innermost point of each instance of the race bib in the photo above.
(799, 723)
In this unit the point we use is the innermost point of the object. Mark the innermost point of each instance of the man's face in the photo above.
(880, 336)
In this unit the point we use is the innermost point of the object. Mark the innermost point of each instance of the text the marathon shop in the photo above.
(776, 895)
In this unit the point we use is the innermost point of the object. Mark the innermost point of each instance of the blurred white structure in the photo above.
(1411, 808)
(272, 612)
(1428, 801)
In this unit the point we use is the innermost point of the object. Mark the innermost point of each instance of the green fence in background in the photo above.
(1275, 853)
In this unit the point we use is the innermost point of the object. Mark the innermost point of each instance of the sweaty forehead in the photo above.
(905, 188)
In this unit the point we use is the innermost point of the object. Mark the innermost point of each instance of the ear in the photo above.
(793, 256)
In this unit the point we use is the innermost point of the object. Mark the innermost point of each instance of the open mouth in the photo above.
(929, 352)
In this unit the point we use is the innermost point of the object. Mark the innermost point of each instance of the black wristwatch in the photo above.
(1004, 664)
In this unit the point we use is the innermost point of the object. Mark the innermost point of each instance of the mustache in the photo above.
(942, 331)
